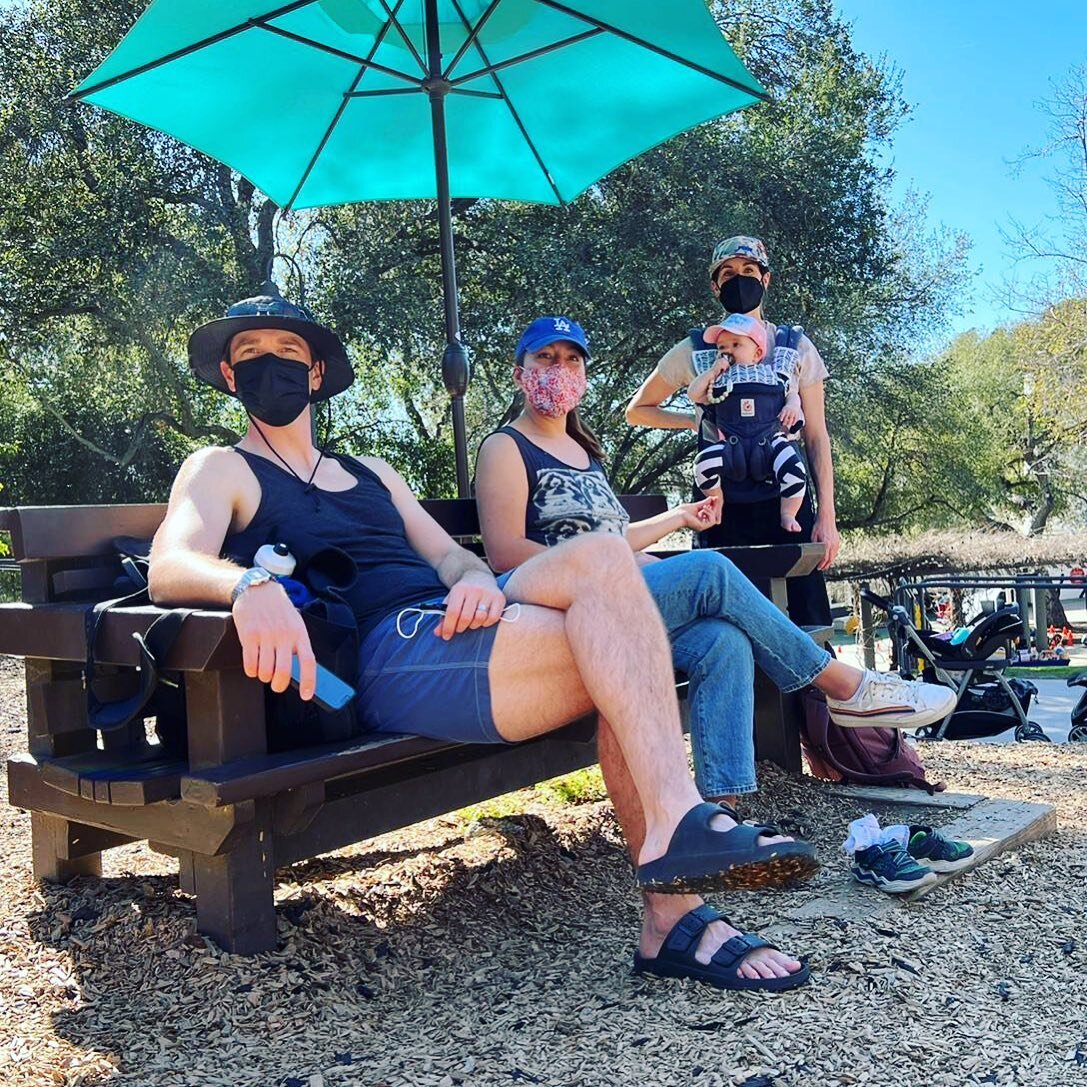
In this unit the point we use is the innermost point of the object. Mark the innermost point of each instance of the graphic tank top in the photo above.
(565, 501)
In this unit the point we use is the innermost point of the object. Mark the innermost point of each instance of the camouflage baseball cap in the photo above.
(739, 246)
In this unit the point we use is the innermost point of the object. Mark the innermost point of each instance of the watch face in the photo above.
(253, 576)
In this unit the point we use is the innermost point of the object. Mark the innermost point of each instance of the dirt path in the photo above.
(495, 952)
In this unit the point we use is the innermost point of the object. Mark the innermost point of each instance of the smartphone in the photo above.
(331, 692)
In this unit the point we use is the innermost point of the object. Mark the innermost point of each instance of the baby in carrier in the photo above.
(749, 409)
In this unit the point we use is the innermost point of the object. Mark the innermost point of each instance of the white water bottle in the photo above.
(276, 559)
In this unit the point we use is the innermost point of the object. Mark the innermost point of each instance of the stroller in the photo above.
(988, 703)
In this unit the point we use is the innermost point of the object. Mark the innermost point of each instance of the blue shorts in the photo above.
(426, 686)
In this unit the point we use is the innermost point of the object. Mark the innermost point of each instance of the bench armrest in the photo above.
(207, 641)
(767, 560)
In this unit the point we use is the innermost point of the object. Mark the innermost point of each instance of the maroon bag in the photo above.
(858, 756)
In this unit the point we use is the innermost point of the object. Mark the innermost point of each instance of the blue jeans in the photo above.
(720, 626)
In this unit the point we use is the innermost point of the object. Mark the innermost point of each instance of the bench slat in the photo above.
(99, 776)
(173, 822)
(207, 640)
(642, 506)
(65, 532)
(69, 532)
(266, 775)
(767, 560)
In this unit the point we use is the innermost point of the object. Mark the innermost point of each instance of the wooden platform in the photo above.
(991, 826)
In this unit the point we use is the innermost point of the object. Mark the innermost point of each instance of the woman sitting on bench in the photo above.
(540, 481)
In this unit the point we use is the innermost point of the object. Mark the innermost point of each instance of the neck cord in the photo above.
(307, 482)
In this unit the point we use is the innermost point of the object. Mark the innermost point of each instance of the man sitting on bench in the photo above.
(586, 634)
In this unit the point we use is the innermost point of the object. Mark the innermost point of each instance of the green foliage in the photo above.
(118, 240)
(121, 240)
(628, 258)
(581, 787)
(1022, 387)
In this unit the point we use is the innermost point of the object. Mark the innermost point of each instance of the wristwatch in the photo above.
(255, 575)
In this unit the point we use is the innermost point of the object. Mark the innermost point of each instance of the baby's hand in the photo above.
(699, 390)
(791, 414)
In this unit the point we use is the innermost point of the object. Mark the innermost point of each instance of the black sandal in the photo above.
(676, 958)
(700, 859)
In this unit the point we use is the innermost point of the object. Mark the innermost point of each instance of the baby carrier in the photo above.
(747, 416)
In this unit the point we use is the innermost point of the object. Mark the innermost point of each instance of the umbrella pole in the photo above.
(455, 369)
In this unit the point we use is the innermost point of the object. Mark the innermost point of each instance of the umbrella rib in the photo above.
(513, 111)
(332, 51)
(404, 35)
(177, 54)
(474, 94)
(473, 33)
(343, 105)
(490, 69)
(634, 39)
(381, 93)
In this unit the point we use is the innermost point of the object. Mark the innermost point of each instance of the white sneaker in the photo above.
(888, 700)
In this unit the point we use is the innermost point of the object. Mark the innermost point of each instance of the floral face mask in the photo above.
(554, 390)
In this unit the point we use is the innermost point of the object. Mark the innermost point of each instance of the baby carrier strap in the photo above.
(789, 336)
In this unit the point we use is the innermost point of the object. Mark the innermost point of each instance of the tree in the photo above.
(1023, 387)
(118, 241)
(628, 258)
(121, 241)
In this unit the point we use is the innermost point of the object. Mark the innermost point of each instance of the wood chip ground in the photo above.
(493, 951)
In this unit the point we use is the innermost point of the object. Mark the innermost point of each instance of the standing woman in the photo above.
(739, 278)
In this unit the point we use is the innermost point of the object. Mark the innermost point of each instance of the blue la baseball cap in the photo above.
(548, 330)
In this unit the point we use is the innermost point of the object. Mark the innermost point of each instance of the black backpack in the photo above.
(160, 693)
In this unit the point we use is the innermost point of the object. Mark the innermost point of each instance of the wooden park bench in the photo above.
(230, 812)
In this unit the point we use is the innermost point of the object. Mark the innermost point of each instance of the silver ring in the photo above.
(482, 608)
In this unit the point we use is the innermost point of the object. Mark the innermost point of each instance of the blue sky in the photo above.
(974, 73)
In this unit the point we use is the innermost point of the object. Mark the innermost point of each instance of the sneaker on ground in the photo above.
(888, 700)
(930, 848)
(890, 868)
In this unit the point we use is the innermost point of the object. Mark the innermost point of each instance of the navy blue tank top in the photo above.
(565, 501)
(361, 521)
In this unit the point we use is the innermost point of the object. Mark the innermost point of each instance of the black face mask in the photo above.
(741, 294)
(273, 389)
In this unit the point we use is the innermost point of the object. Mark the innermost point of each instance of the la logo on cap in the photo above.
(562, 325)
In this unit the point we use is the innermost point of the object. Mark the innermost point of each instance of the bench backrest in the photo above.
(66, 552)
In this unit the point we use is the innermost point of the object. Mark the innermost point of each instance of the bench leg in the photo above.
(186, 872)
(234, 903)
(54, 858)
(777, 724)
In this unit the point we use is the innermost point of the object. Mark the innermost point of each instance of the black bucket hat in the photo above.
(209, 344)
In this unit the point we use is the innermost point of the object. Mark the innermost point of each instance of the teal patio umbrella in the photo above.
(321, 102)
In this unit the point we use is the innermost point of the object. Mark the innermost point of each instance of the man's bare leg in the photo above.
(663, 911)
(598, 622)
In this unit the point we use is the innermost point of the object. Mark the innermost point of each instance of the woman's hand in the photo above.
(474, 601)
(826, 532)
(698, 516)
